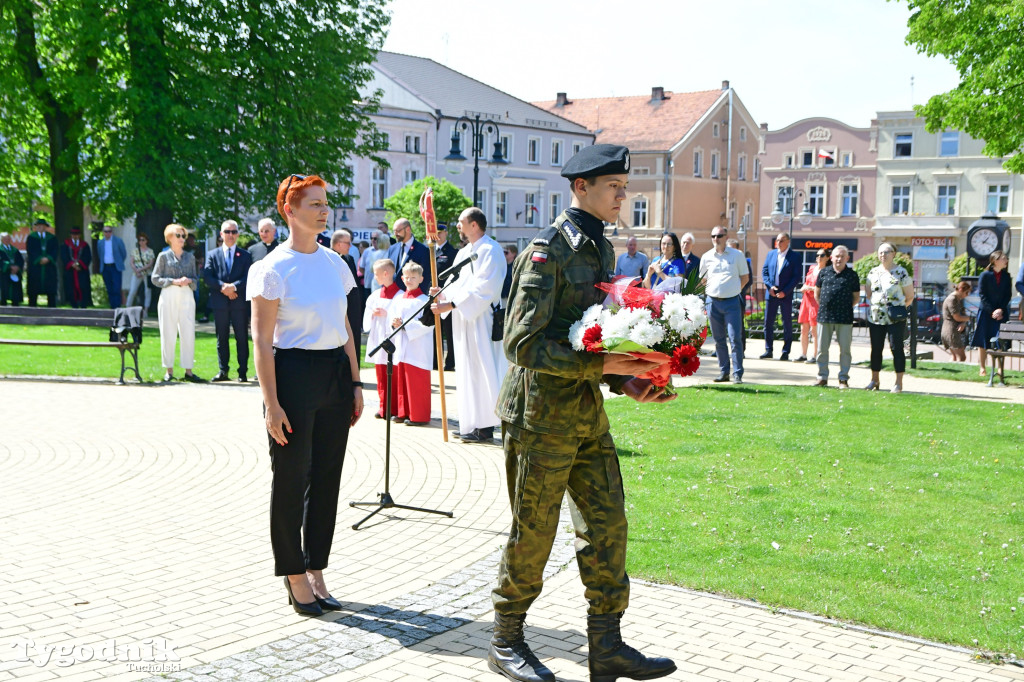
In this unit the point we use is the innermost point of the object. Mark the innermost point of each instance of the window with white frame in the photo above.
(577, 147)
(998, 198)
(714, 130)
(556, 152)
(640, 170)
(900, 199)
(846, 159)
(698, 163)
(748, 215)
(501, 208)
(386, 137)
(828, 157)
(640, 212)
(554, 206)
(757, 170)
(411, 175)
(850, 200)
(806, 158)
(533, 150)
(412, 143)
(378, 186)
(346, 197)
(904, 146)
(947, 200)
(787, 160)
(741, 167)
(949, 144)
(481, 197)
(714, 164)
(506, 147)
(531, 209)
(743, 134)
(785, 196)
(816, 199)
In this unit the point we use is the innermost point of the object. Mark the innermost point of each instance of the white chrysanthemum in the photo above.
(617, 325)
(592, 315)
(684, 326)
(693, 304)
(673, 305)
(576, 334)
(647, 333)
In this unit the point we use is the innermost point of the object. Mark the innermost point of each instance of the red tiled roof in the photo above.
(637, 122)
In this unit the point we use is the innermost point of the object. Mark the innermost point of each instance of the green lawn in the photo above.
(956, 371)
(102, 362)
(901, 512)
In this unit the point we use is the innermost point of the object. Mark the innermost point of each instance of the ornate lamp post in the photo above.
(804, 216)
(455, 161)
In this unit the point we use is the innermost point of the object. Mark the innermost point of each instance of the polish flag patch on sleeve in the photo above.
(539, 257)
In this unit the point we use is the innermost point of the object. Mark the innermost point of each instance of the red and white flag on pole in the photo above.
(826, 154)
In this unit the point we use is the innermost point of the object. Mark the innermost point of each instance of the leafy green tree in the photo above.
(449, 202)
(53, 78)
(982, 38)
(866, 264)
(961, 267)
(176, 110)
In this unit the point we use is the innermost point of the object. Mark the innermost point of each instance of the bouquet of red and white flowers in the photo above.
(668, 328)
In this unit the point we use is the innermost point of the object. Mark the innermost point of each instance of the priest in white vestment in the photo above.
(480, 363)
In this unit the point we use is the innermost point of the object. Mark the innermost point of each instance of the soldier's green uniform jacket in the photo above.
(552, 388)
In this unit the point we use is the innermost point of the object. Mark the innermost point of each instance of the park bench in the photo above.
(70, 318)
(1002, 347)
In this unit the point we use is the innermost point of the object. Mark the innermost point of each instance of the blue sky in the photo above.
(787, 60)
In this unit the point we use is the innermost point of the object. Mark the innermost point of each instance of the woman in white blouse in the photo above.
(309, 375)
(176, 274)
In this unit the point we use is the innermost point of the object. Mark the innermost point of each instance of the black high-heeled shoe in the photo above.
(310, 609)
(329, 604)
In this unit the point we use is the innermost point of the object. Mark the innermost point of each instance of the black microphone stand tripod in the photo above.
(386, 501)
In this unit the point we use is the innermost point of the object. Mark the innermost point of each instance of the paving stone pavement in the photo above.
(138, 525)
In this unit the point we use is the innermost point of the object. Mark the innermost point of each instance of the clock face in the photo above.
(984, 241)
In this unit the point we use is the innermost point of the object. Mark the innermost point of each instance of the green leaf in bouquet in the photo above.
(625, 346)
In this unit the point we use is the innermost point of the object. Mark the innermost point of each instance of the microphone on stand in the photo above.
(455, 268)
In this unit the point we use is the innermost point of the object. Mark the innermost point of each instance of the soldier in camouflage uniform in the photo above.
(555, 430)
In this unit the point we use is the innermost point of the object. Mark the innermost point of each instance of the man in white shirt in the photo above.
(724, 272)
(480, 362)
(632, 263)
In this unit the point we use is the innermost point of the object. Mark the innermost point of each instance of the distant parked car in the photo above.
(861, 312)
(929, 319)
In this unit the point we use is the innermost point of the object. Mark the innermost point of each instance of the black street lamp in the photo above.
(804, 216)
(455, 161)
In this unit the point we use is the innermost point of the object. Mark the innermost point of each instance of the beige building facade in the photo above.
(694, 162)
(931, 187)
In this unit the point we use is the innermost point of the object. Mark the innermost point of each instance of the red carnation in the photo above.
(592, 339)
(684, 361)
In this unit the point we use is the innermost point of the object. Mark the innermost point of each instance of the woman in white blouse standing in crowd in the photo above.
(309, 376)
(176, 275)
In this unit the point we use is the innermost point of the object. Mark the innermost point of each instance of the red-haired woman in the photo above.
(309, 375)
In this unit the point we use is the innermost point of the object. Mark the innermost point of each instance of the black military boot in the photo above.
(611, 659)
(510, 655)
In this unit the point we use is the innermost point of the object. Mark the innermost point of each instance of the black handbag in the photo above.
(497, 323)
(898, 313)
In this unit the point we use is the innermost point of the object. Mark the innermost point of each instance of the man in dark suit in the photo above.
(41, 247)
(224, 273)
(780, 274)
(444, 254)
(408, 249)
(268, 240)
(12, 271)
(341, 244)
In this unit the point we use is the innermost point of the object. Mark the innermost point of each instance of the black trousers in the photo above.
(315, 391)
(897, 332)
(233, 318)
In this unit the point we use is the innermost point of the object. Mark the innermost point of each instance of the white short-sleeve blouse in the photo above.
(312, 293)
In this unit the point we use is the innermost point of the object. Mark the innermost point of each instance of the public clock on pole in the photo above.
(986, 235)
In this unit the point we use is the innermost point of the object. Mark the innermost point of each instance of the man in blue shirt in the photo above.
(632, 263)
(111, 255)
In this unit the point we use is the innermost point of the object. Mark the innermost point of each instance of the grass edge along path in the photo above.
(903, 513)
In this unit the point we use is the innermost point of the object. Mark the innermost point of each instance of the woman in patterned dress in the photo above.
(888, 285)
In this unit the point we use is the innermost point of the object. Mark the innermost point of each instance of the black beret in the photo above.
(598, 159)
(41, 222)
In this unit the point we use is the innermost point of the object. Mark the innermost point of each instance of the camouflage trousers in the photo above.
(540, 469)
